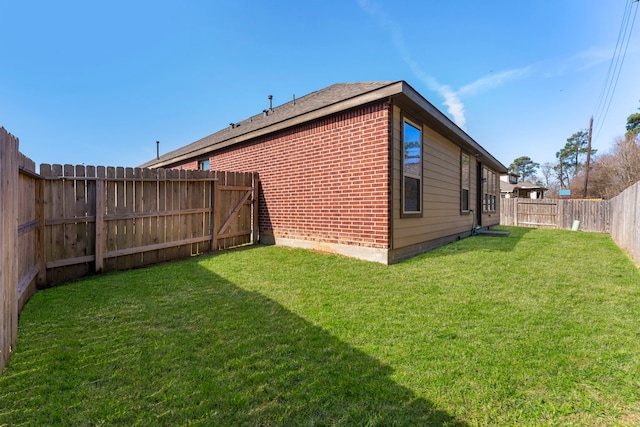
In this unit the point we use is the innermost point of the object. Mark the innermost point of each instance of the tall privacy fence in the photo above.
(619, 216)
(66, 222)
(594, 215)
(625, 220)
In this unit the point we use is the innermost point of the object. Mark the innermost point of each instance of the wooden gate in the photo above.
(235, 213)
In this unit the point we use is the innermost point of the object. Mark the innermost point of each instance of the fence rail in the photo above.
(594, 215)
(70, 221)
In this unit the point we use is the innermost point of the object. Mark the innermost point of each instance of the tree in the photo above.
(616, 170)
(570, 157)
(562, 167)
(547, 174)
(525, 167)
(633, 124)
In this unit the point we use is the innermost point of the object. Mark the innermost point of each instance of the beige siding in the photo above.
(441, 190)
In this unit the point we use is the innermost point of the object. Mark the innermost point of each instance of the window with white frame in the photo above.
(465, 181)
(411, 169)
(203, 165)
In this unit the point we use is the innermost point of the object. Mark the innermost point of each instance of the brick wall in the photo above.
(324, 181)
(189, 166)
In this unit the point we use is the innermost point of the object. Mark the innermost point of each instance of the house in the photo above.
(510, 188)
(370, 170)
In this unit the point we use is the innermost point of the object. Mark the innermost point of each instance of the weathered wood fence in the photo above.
(9, 196)
(68, 221)
(594, 215)
(100, 219)
(625, 220)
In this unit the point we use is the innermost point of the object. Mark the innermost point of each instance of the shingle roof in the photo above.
(506, 187)
(316, 100)
(333, 99)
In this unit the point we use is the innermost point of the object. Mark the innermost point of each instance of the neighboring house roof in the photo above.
(333, 99)
(505, 187)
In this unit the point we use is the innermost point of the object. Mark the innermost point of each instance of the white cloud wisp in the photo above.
(451, 98)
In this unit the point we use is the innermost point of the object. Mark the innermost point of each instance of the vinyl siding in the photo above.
(441, 215)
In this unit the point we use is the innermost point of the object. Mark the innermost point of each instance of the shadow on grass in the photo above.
(489, 243)
(177, 344)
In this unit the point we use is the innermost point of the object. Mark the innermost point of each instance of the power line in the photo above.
(614, 59)
(617, 61)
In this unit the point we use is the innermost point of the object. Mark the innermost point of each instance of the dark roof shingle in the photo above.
(316, 100)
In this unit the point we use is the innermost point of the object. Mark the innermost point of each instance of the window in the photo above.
(489, 187)
(465, 179)
(412, 169)
(203, 165)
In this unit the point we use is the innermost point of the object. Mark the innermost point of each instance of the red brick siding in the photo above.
(189, 166)
(325, 181)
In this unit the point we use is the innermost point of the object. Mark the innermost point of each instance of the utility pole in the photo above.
(586, 175)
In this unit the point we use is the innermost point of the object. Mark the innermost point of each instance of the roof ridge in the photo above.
(330, 95)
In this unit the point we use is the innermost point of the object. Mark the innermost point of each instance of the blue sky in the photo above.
(99, 82)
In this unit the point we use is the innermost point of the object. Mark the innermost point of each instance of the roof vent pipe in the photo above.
(270, 102)
(158, 150)
(294, 99)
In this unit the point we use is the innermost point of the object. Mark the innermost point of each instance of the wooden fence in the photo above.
(70, 221)
(594, 215)
(625, 220)
(101, 219)
(9, 196)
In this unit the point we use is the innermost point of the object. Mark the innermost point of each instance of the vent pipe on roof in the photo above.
(270, 102)
(158, 150)
(294, 99)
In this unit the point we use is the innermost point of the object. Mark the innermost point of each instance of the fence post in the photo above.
(99, 250)
(8, 245)
(41, 278)
(255, 236)
(215, 200)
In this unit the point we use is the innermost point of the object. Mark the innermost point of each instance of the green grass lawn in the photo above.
(538, 328)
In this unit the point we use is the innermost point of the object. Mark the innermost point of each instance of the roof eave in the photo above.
(452, 129)
(362, 99)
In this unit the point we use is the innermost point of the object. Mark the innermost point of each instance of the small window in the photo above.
(465, 181)
(203, 165)
(412, 169)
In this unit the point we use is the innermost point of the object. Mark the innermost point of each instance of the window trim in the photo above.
(462, 187)
(201, 164)
(489, 190)
(404, 213)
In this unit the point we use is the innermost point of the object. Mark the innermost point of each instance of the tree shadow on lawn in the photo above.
(211, 353)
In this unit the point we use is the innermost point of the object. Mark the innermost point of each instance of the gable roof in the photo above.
(330, 100)
(506, 187)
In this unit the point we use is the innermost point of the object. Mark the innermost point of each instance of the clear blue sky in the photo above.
(99, 82)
